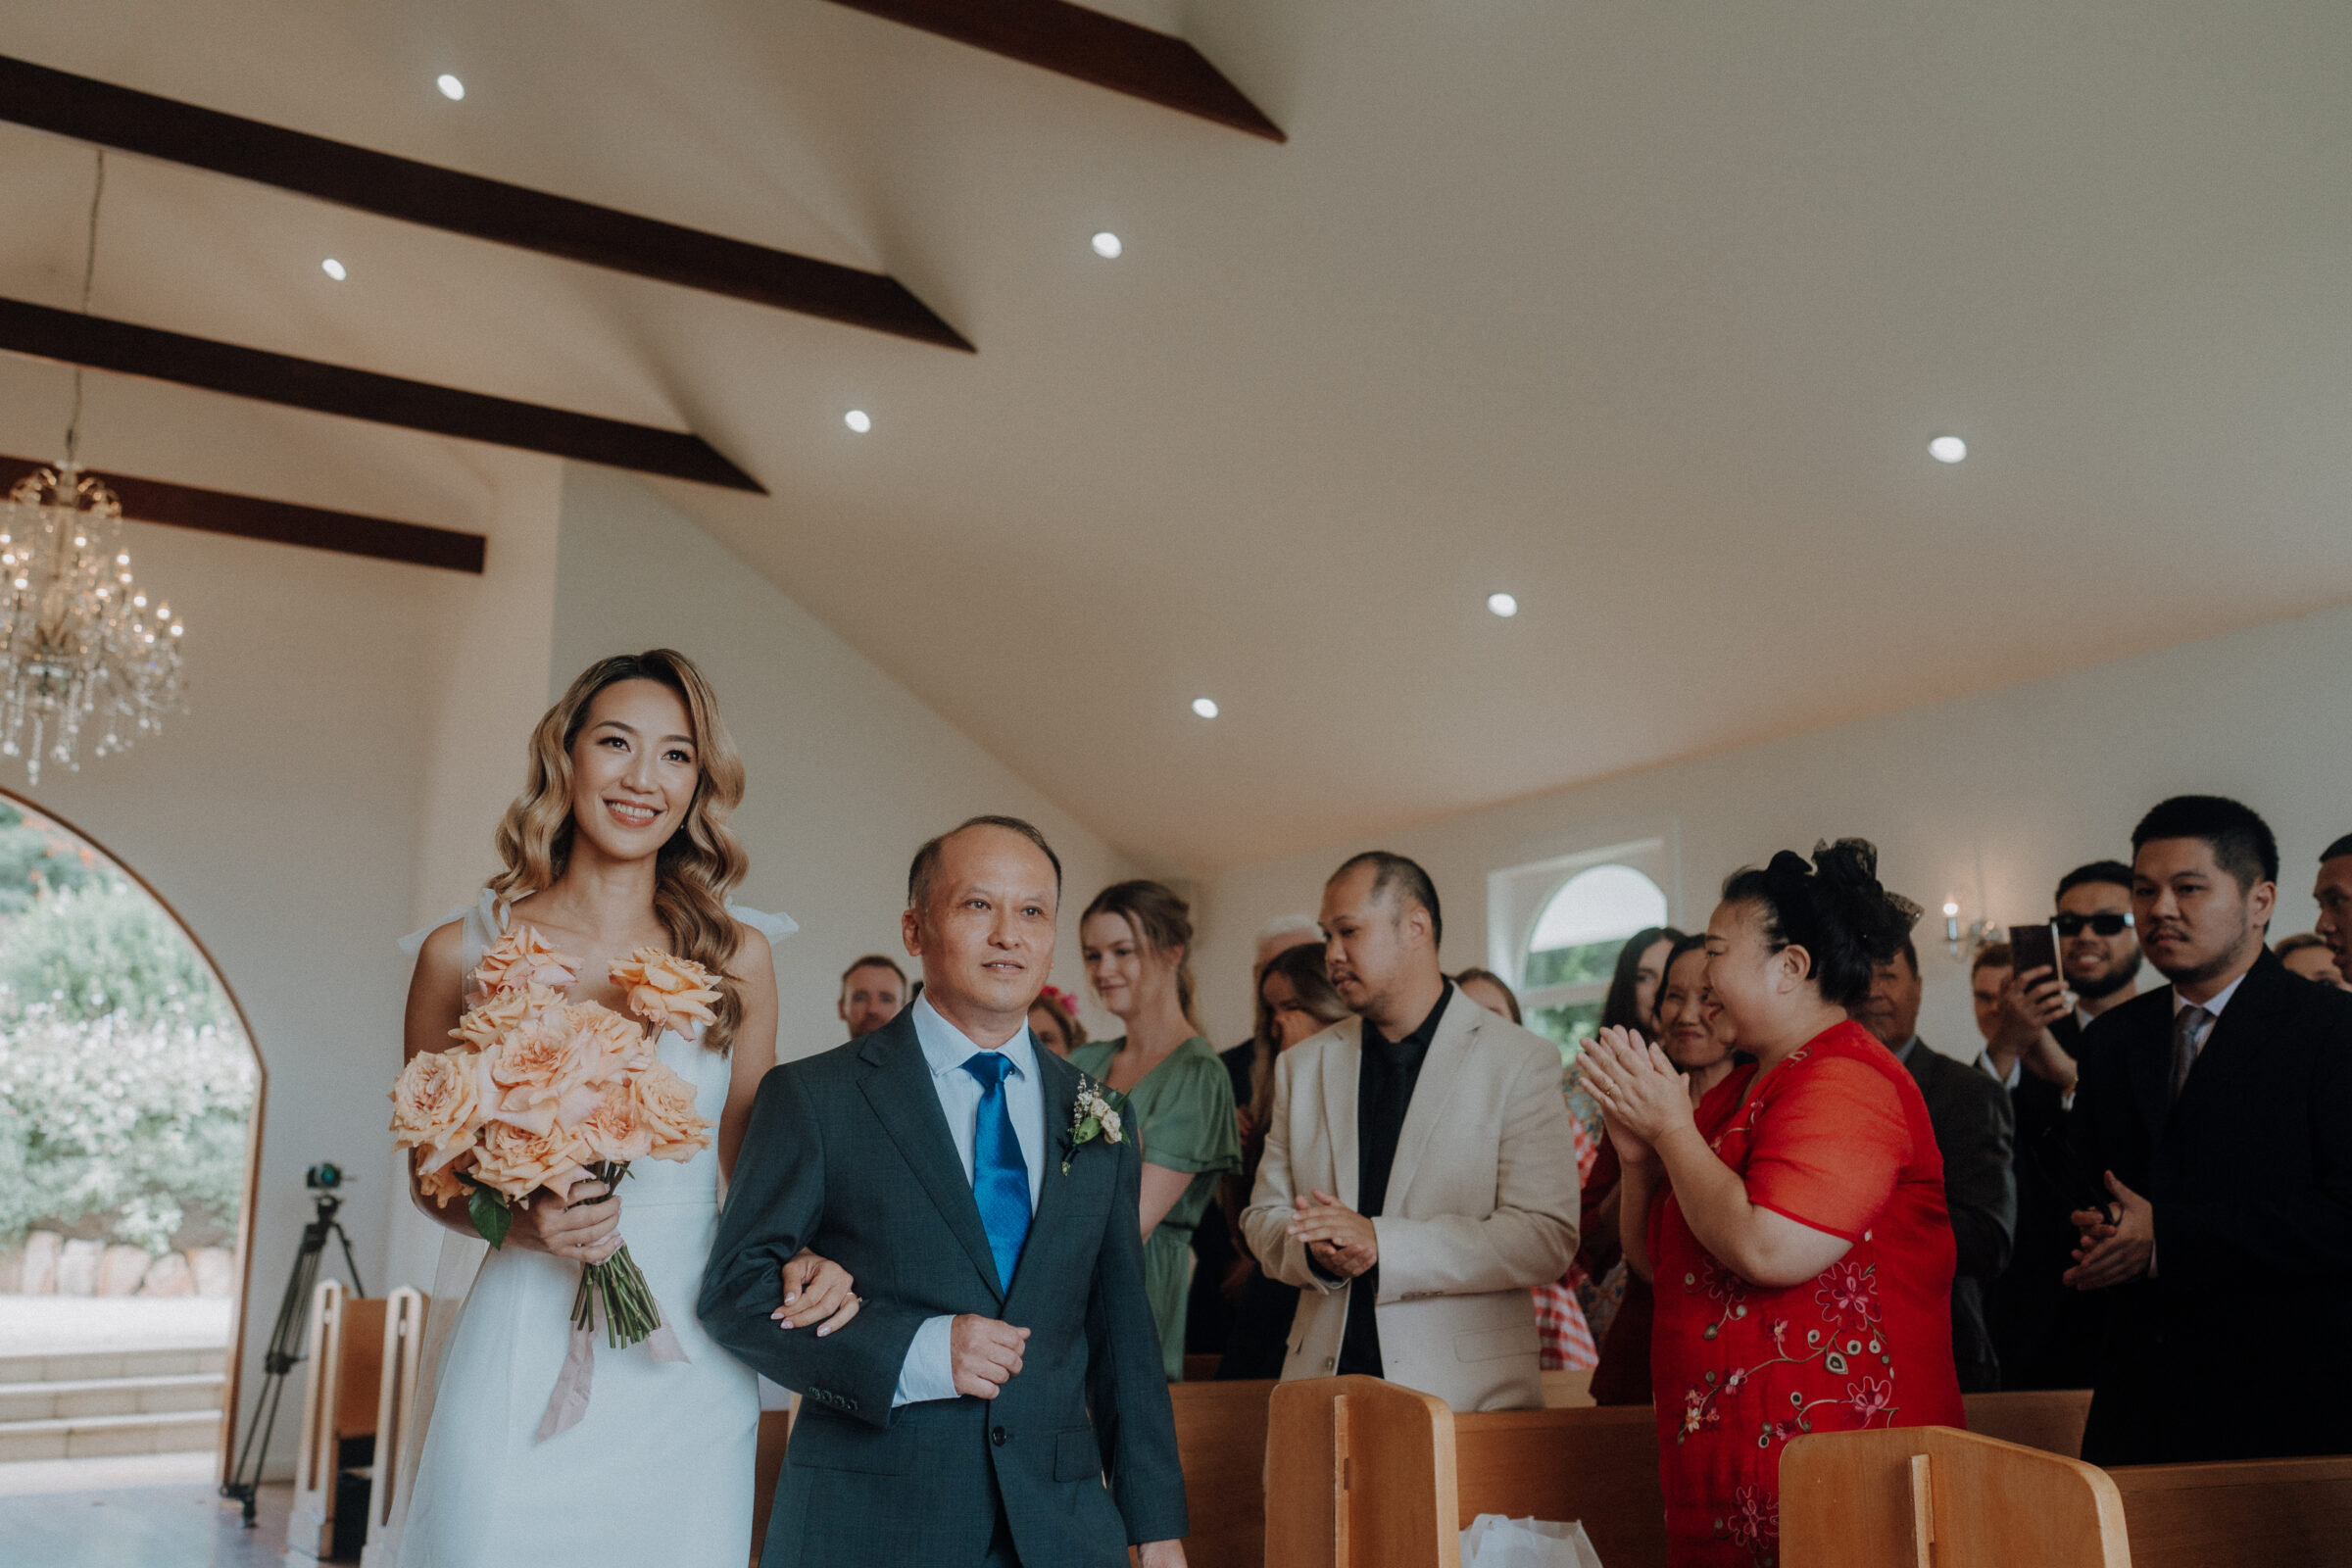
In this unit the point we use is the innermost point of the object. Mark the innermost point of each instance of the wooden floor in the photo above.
(177, 1526)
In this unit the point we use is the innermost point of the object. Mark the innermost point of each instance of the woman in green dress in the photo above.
(1136, 938)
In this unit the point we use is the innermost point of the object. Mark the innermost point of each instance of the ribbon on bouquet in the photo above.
(569, 1401)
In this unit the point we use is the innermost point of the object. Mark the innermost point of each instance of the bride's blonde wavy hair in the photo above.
(700, 865)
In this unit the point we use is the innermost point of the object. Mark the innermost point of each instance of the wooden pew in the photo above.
(1362, 1471)
(1939, 1497)
(2253, 1514)
(2050, 1420)
(340, 1381)
(401, 1364)
(1222, 1445)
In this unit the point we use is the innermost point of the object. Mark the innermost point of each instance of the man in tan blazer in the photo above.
(1419, 1175)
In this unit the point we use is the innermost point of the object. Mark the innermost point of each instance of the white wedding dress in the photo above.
(659, 1470)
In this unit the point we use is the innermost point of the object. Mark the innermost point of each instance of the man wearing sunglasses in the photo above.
(2048, 1336)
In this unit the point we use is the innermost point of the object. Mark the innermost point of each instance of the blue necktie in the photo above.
(999, 1176)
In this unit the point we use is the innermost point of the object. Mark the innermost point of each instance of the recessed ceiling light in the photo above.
(1502, 604)
(333, 268)
(1205, 706)
(1107, 245)
(451, 87)
(1947, 449)
(859, 421)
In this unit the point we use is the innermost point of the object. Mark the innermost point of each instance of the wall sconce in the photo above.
(1963, 942)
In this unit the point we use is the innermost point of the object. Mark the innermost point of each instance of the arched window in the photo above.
(1564, 922)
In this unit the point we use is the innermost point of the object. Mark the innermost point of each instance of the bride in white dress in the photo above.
(620, 840)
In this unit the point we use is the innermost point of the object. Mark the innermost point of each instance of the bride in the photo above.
(620, 840)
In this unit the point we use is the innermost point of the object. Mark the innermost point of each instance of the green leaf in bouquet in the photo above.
(490, 1215)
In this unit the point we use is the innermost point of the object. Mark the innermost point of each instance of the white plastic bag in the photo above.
(1494, 1541)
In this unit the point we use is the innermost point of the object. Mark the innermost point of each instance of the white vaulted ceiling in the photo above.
(1644, 312)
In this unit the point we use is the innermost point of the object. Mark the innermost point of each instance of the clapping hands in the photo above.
(1641, 1098)
(1337, 1237)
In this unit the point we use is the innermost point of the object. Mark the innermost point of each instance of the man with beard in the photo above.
(1419, 1175)
(2217, 1114)
(2046, 1337)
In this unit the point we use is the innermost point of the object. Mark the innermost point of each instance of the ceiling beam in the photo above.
(239, 371)
(1073, 42)
(184, 505)
(133, 122)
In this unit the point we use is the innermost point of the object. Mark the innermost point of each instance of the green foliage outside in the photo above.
(126, 1083)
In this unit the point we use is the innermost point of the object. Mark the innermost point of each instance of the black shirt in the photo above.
(1384, 1092)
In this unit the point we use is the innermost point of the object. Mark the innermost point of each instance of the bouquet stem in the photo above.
(630, 1315)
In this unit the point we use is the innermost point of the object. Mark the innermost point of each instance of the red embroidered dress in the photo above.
(1837, 1139)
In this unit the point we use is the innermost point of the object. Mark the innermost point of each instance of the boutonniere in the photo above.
(1093, 1115)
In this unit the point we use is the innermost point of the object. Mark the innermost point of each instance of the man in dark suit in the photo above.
(1974, 1132)
(2048, 1336)
(999, 1399)
(2218, 1111)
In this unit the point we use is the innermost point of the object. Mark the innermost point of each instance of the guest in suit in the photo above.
(2334, 894)
(1792, 1222)
(1296, 1001)
(1977, 1133)
(1419, 1176)
(2048, 1337)
(1001, 1398)
(2219, 1113)
(872, 990)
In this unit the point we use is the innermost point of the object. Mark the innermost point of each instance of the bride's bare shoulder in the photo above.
(754, 955)
(443, 953)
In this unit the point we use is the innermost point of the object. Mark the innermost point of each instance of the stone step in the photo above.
(90, 1435)
(81, 1366)
(67, 1398)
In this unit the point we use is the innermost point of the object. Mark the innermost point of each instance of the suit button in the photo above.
(1329, 1363)
(998, 1435)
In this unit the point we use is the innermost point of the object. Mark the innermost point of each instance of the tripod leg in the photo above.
(282, 1355)
(350, 1262)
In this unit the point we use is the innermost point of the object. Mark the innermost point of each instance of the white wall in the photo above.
(848, 771)
(1986, 800)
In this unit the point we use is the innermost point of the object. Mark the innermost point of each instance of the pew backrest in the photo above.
(2251, 1513)
(1939, 1497)
(2050, 1420)
(1222, 1445)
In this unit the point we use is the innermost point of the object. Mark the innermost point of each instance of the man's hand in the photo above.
(984, 1353)
(1336, 1236)
(816, 1291)
(1160, 1554)
(2030, 1004)
(2114, 1251)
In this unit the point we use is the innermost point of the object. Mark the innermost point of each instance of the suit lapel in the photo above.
(1341, 1066)
(1441, 1070)
(2152, 1072)
(1058, 1081)
(898, 1085)
(2232, 1048)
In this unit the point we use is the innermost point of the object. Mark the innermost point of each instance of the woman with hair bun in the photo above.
(1136, 938)
(1792, 1225)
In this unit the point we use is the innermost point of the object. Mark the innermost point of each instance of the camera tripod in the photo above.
(285, 1339)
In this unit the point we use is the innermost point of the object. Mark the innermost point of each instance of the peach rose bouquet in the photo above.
(541, 1094)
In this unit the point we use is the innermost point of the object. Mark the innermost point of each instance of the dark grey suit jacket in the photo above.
(848, 1153)
(1976, 1130)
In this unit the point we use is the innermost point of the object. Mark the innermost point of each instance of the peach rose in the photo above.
(665, 988)
(520, 959)
(488, 1020)
(442, 1183)
(516, 1161)
(665, 1108)
(615, 1129)
(437, 1105)
(617, 1047)
(540, 1066)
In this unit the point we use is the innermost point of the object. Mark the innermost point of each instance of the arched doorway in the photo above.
(129, 1118)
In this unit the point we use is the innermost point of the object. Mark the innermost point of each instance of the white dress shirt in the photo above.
(929, 1372)
(2213, 1009)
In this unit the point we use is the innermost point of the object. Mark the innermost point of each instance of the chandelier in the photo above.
(79, 645)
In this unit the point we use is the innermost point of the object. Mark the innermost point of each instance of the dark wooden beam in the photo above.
(377, 183)
(1073, 42)
(282, 522)
(121, 346)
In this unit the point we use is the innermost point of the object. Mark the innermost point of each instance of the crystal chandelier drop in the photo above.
(79, 643)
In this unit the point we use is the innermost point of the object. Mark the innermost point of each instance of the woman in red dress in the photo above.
(1792, 1225)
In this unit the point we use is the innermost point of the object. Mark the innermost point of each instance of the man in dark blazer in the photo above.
(1000, 1397)
(1974, 1130)
(2218, 1111)
(2048, 1337)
